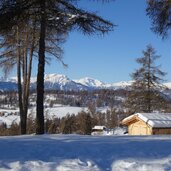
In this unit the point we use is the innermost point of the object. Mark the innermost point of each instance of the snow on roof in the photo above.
(155, 120)
(99, 127)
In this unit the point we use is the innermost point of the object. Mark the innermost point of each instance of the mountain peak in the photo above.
(62, 82)
(56, 78)
(90, 82)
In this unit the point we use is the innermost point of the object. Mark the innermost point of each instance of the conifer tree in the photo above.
(84, 121)
(159, 12)
(145, 94)
(59, 16)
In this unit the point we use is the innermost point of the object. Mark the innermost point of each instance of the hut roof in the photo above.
(99, 127)
(155, 120)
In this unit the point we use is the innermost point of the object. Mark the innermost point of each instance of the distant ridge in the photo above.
(62, 82)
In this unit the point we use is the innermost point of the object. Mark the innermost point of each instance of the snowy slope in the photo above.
(58, 111)
(85, 153)
(12, 116)
(60, 82)
(9, 116)
(61, 111)
(92, 83)
(121, 85)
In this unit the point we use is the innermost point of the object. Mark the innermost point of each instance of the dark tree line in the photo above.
(97, 98)
(70, 124)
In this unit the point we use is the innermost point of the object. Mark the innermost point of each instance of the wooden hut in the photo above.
(148, 123)
(98, 130)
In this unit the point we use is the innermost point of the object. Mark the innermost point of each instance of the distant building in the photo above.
(98, 130)
(148, 123)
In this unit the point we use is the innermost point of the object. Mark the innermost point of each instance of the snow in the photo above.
(168, 85)
(99, 127)
(57, 111)
(63, 79)
(62, 111)
(9, 116)
(90, 82)
(119, 131)
(1, 122)
(103, 109)
(86, 153)
(121, 85)
(155, 120)
(9, 110)
(8, 120)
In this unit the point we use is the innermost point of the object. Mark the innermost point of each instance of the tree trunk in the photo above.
(40, 74)
(149, 85)
(27, 90)
(22, 117)
(24, 97)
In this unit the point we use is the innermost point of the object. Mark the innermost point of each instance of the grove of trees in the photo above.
(53, 18)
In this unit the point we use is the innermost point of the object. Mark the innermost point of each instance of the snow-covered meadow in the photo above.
(86, 153)
(50, 113)
(58, 111)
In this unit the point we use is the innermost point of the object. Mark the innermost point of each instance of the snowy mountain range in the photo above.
(62, 82)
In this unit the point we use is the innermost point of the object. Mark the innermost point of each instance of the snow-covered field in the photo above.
(58, 111)
(50, 113)
(85, 153)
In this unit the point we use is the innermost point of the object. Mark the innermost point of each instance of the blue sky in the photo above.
(111, 58)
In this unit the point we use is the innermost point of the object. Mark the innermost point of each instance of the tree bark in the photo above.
(27, 90)
(148, 85)
(40, 74)
(22, 116)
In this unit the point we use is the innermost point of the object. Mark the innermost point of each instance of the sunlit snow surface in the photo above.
(58, 111)
(85, 153)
